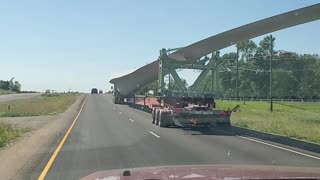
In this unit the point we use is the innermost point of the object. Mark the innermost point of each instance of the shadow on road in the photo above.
(198, 131)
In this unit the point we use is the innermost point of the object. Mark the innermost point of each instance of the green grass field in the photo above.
(2, 92)
(42, 105)
(296, 120)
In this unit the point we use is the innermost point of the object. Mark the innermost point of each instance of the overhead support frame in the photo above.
(169, 66)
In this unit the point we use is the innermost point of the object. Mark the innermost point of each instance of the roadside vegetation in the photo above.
(9, 132)
(46, 104)
(9, 87)
(3, 92)
(295, 120)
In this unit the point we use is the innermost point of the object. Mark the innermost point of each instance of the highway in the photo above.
(11, 97)
(108, 136)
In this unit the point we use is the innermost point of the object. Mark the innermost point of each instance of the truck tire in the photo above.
(157, 116)
(161, 123)
(153, 115)
(164, 119)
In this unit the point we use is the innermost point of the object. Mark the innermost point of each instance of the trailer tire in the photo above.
(161, 123)
(157, 116)
(164, 119)
(153, 115)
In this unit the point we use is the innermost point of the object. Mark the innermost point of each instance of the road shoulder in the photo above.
(25, 157)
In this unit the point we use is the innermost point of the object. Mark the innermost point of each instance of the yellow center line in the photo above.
(56, 152)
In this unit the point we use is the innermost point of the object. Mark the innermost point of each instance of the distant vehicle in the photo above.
(94, 91)
(100, 92)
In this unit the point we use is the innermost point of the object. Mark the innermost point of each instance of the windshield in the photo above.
(103, 85)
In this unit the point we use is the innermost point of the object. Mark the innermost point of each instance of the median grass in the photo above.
(296, 120)
(43, 105)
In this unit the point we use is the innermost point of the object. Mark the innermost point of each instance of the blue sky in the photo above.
(82, 44)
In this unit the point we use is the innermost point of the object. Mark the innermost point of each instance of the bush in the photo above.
(7, 133)
(16, 114)
(50, 94)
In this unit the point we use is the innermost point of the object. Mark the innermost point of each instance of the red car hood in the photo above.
(208, 172)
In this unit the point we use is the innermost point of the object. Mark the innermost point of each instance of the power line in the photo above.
(266, 56)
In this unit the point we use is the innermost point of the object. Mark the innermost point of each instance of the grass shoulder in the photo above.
(3, 92)
(9, 132)
(47, 104)
(296, 120)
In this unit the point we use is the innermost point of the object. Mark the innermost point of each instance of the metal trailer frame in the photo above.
(169, 66)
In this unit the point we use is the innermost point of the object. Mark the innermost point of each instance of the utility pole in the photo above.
(271, 103)
(237, 87)
(212, 81)
(216, 80)
(169, 87)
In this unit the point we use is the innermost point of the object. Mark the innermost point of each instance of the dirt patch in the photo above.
(33, 123)
(21, 157)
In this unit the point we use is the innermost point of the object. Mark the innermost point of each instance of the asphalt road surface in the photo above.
(108, 136)
(10, 97)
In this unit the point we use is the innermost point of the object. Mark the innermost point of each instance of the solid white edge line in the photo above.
(154, 134)
(275, 146)
(300, 153)
(131, 120)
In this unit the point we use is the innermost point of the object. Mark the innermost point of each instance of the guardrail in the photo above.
(267, 100)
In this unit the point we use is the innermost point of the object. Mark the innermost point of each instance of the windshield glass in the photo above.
(89, 86)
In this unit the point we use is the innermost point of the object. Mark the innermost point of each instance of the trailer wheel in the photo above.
(157, 116)
(153, 115)
(161, 123)
(164, 120)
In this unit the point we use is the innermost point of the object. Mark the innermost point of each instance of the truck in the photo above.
(189, 111)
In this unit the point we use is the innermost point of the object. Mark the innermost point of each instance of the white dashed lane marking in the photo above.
(154, 134)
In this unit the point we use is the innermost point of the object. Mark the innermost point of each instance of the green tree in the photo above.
(174, 85)
(4, 85)
(16, 86)
(11, 83)
(284, 83)
(246, 49)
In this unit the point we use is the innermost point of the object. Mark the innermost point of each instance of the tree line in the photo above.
(10, 85)
(293, 75)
